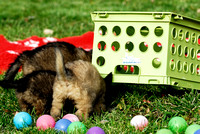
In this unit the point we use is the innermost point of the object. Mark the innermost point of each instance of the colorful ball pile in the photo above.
(68, 124)
(71, 124)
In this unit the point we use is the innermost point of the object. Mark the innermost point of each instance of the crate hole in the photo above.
(185, 67)
(129, 46)
(180, 35)
(144, 31)
(187, 36)
(173, 48)
(174, 33)
(179, 66)
(197, 70)
(199, 40)
(130, 30)
(192, 68)
(115, 46)
(158, 31)
(101, 45)
(186, 51)
(127, 69)
(116, 30)
(179, 50)
(103, 30)
(175, 83)
(193, 38)
(100, 61)
(192, 53)
(172, 64)
(156, 62)
(157, 47)
(143, 46)
(198, 55)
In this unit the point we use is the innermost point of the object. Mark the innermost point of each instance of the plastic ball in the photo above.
(45, 121)
(95, 130)
(192, 128)
(62, 125)
(71, 117)
(177, 124)
(164, 131)
(22, 120)
(197, 132)
(76, 127)
(139, 121)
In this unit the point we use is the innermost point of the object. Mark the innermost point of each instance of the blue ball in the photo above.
(22, 120)
(62, 125)
(197, 132)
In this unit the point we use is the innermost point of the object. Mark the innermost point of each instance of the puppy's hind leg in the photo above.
(39, 106)
(57, 103)
(84, 107)
(56, 108)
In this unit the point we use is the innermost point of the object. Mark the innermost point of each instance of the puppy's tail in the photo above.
(62, 72)
(13, 69)
(11, 84)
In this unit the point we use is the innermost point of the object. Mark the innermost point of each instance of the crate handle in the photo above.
(103, 15)
(158, 15)
(177, 17)
(175, 83)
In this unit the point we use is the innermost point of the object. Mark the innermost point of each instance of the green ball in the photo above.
(192, 128)
(76, 128)
(164, 131)
(177, 124)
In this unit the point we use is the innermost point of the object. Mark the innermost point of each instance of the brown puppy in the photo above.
(43, 58)
(78, 81)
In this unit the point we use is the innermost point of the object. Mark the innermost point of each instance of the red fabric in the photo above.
(10, 50)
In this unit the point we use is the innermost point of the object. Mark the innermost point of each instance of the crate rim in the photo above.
(144, 13)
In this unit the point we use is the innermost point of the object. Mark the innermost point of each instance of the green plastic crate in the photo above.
(147, 48)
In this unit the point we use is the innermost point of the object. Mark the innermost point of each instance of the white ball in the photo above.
(139, 121)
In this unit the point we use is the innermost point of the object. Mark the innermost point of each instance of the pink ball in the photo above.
(71, 117)
(45, 121)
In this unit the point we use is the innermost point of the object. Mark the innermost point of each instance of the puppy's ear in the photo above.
(90, 51)
(108, 79)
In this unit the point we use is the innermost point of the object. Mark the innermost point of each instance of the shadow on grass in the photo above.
(118, 90)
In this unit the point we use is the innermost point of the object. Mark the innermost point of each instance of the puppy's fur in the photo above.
(43, 58)
(78, 81)
(45, 90)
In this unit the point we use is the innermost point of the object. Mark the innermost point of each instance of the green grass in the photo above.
(20, 19)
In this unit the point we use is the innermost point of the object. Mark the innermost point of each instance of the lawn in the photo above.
(20, 19)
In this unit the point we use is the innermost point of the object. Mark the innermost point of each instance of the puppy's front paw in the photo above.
(81, 115)
(55, 113)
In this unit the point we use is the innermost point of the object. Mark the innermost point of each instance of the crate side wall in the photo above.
(183, 53)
